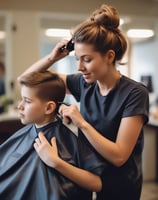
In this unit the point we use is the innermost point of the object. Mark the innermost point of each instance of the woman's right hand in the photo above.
(57, 54)
(71, 114)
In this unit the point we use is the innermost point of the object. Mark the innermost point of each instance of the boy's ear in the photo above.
(50, 107)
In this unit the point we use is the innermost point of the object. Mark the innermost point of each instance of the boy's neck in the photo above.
(46, 123)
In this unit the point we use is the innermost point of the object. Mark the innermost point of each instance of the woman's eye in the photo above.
(87, 60)
(84, 59)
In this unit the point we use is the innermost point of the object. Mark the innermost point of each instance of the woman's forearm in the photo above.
(46, 62)
(116, 152)
(79, 176)
(41, 65)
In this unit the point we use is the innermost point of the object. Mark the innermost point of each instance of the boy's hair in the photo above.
(48, 86)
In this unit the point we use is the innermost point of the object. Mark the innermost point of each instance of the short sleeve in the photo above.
(137, 103)
(74, 85)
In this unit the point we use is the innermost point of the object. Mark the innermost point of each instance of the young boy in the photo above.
(72, 169)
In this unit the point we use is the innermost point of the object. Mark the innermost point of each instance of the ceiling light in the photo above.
(121, 21)
(140, 33)
(2, 35)
(53, 32)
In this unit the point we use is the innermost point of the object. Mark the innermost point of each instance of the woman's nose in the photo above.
(80, 66)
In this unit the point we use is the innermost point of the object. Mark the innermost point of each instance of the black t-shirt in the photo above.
(104, 113)
(24, 176)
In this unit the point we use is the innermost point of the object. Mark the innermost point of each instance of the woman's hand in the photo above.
(57, 54)
(44, 63)
(71, 113)
(47, 152)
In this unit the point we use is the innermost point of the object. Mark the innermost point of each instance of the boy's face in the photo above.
(31, 109)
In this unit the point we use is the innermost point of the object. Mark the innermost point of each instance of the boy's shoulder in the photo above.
(24, 129)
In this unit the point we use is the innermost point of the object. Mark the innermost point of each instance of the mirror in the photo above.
(6, 85)
(2, 56)
(5, 53)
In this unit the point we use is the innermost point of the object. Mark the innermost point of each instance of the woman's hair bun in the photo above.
(106, 16)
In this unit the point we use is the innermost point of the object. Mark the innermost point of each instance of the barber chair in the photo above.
(9, 127)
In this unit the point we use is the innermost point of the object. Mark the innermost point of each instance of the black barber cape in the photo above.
(24, 176)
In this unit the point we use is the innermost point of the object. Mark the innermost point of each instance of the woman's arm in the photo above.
(116, 152)
(48, 153)
(119, 151)
(44, 63)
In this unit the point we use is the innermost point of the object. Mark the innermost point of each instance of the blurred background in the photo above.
(25, 36)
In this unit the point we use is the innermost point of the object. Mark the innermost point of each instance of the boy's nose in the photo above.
(20, 106)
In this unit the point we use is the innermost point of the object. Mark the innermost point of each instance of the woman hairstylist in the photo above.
(113, 108)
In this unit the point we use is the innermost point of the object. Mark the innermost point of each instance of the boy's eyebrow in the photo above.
(26, 98)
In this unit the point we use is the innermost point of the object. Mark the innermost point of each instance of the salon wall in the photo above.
(24, 44)
(144, 60)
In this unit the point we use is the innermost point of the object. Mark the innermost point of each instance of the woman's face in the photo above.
(31, 109)
(92, 64)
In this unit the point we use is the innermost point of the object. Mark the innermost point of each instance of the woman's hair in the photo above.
(101, 30)
(48, 86)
